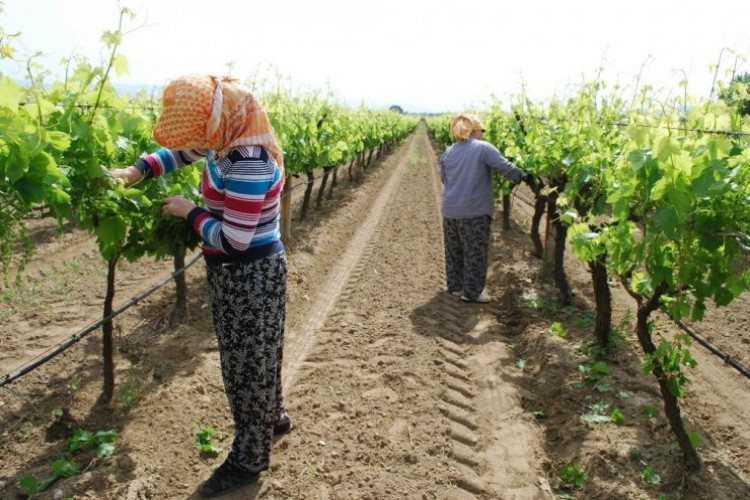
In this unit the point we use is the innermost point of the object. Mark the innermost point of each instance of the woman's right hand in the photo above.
(129, 175)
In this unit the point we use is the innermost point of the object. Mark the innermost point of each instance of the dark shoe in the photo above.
(226, 478)
(283, 425)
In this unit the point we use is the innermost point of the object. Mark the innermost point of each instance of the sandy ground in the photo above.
(397, 389)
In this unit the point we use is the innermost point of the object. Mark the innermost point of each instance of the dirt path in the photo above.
(300, 341)
(402, 395)
(397, 389)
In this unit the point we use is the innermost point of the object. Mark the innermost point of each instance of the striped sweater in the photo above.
(241, 193)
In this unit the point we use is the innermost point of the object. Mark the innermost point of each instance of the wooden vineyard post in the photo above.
(286, 210)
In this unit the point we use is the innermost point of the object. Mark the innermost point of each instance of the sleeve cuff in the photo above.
(145, 168)
(193, 215)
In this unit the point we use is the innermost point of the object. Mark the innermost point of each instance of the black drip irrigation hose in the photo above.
(705, 343)
(686, 328)
(63, 346)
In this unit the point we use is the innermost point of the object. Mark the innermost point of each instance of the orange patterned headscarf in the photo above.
(463, 126)
(216, 113)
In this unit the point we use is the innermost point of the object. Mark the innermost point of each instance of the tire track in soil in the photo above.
(399, 390)
(302, 342)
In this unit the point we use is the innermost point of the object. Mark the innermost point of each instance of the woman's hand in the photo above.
(179, 206)
(129, 175)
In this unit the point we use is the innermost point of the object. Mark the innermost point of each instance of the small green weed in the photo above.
(594, 373)
(25, 430)
(67, 466)
(558, 330)
(74, 265)
(650, 411)
(598, 414)
(532, 301)
(101, 440)
(74, 384)
(205, 438)
(617, 417)
(6, 310)
(650, 477)
(573, 476)
(130, 390)
(60, 468)
(694, 438)
(622, 395)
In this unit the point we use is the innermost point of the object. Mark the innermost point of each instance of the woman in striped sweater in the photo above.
(219, 120)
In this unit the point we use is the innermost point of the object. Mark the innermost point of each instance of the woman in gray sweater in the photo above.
(468, 205)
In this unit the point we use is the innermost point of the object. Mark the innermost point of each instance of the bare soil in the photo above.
(397, 390)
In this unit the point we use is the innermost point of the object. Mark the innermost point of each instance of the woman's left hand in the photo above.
(179, 206)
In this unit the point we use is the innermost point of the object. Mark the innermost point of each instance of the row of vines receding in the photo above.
(58, 140)
(654, 193)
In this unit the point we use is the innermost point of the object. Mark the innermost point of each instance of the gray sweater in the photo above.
(466, 171)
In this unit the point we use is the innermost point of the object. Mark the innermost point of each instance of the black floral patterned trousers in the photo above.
(466, 254)
(248, 302)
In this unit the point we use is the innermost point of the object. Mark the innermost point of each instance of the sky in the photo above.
(425, 56)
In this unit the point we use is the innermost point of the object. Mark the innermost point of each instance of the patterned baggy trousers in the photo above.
(466, 254)
(248, 302)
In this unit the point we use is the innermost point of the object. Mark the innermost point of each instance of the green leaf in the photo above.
(650, 477)
(573, 475)
(58, 141)
(105, 450)
(58, 197)
(10, 93)
(683, 163)
(106, 436)
(666, 218)
(617, 417)
(111, 38)
(30, 483)
(65, 468)
(93, 169)
(558, 330)
(723, 296)
(694, 438)
(80, 439)
(601, 367)
(596, 419)
(110, 235)
(120, 65)
(637, 158)
(680, 197)
(42, 163)
(660, 187)
(665, 147)
(17, 163)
